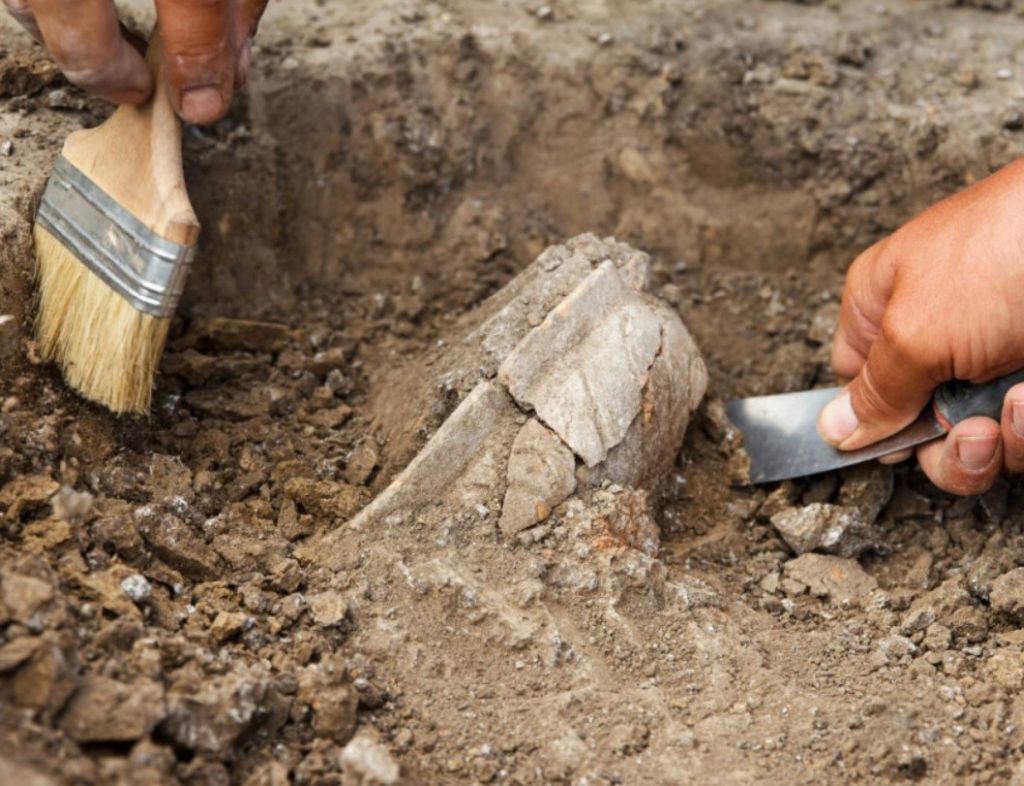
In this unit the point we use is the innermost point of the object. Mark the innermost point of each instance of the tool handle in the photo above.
(957, 400)
(135, 157)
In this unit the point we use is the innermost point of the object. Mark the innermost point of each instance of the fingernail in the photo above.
(202, 104)
(976, 452)
(838, 420)
(1017, 418)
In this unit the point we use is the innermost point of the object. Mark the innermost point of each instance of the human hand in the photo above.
(207, 44)
(941, 298)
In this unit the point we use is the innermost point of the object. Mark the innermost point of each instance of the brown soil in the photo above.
(163, 616)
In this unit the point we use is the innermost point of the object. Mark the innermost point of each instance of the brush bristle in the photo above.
(108, 350)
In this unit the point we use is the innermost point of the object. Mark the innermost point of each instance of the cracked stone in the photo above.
(572, 360)
(837, 529)
(584, 369)
(541, 475)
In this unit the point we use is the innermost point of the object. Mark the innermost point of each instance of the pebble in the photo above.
(1007, 594)
(6, 148)
(137, 587)
(1004, 73)
(545, 13)
(366, 761)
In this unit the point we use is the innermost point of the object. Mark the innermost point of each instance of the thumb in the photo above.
(887, 395)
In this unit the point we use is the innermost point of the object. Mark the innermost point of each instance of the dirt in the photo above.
(185, 599)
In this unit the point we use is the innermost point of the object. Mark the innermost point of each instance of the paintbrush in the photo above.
(115, 234)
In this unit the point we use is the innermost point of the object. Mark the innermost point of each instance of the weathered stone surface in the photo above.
(328, 607)
(176, 544)
(105, 710)
(675, 386)
(819, 526)
(228, 707)
(25, 597)
(939, 605)
(584, 369)
(1007, 594)
(573, 359)
(840, 580)
(541, 475)
(48, 678)
(366, 762)
(16, 652)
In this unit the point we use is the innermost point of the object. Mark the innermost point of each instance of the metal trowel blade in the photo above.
(780, 434)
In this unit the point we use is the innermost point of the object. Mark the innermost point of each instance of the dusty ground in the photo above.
(166, 616)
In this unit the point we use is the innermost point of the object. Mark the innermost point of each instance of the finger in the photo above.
(888, 394)
(1012, 427)
(250, 12)
(22, 13)
(897, 457)
(199, 42)
(865, 296)
(85, 39)
(968, 460)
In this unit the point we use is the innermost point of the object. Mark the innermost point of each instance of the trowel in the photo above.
(780, 432)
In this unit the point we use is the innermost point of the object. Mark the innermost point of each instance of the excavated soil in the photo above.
(167, 613)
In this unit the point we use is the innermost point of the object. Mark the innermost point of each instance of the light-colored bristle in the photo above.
(108, 350)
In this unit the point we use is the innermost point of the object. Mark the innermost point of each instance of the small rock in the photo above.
(70, 505)
(228, 624)
(1007, 594)
(48, 678)
(625, 520)
(327, 608)
(26, 597)
(1004, 74)
(841, 580)
(1013, 121)
(937, 606)
(541, 475)
(362, 461)
(137, 587)
(1006, 668)
(334, 712)
(367, 762)
(16, 652)
(229, 706)
(174, 542)
(937, 638)
(545, 13)
(326, 498)
(333, 417)
(224, 334)
(823, 324)
(895, 647)
(105, 710)
(837, 529)
(333, 359)
(6, 150)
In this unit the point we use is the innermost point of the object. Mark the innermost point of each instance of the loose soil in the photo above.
(165, 615)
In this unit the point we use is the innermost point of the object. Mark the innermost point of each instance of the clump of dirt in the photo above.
(164, 614)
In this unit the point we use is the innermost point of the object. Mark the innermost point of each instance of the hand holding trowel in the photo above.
(940, 300)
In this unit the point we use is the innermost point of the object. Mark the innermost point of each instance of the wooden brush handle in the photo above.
(135, 156)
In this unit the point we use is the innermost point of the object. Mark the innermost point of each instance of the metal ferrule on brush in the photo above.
(147, 270)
